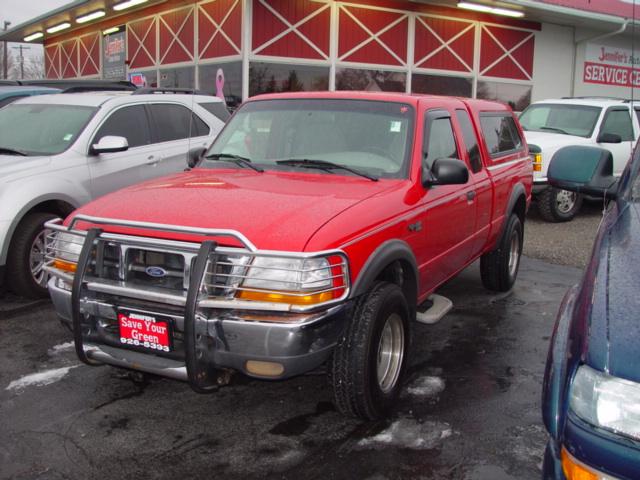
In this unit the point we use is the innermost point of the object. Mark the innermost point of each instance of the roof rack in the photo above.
(595, 97)
(154, 90)
(74, 85)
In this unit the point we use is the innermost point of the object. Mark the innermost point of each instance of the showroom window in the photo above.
(370, 80)
(183, 77)
(147, 78)
(225, 78)
(442, 85)
(518, 97)
(276, 77)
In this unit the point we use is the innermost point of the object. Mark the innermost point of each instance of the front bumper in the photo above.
(233, 338)
(607, 455)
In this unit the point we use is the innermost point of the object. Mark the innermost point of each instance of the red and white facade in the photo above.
(327, 44)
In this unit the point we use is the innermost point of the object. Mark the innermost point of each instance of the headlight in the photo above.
(65, 250)
(289, 274)
(292, 280)
(606, 401)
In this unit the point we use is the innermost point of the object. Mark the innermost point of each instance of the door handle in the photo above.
(152, 160)
(471, 195)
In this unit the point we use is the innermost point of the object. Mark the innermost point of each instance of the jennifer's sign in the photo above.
(611, 66)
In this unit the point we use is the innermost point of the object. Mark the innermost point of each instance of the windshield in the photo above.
(41, 129)
(371, 137)
(579, 120)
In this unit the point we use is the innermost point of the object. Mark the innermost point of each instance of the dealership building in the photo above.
(516, 51)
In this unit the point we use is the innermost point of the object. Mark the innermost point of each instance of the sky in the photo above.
(20, 11)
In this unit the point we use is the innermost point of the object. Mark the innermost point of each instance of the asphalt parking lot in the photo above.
(470, 407)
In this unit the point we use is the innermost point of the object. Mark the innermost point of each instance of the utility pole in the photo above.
(21, 59)
(5, 59)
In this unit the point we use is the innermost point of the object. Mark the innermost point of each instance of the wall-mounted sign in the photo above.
(113, 56)
(611, 66)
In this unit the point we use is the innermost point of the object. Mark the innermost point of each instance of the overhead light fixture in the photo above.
(59, 27)
(111, 30)
(91, 16)
(128, 4)
(33, 36)
(477, 7)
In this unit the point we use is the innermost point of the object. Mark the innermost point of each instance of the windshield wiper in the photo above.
(237, 159)
(323, 165)
(555, 129)
(12, 151)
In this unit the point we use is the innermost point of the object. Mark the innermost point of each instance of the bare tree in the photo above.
(34, 67)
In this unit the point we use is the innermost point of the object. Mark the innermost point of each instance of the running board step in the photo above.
(439, 307)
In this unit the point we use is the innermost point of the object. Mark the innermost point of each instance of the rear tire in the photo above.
(369, 360)
(499, 267)
(25, 276)
(556, 205)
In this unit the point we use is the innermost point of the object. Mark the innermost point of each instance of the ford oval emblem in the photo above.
(156, 272)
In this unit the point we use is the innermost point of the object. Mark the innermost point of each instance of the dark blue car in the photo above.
(591, 392)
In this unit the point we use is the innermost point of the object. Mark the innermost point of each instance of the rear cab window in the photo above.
(501, 135)
(470, 140)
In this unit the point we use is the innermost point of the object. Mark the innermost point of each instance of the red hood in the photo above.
(274, 210)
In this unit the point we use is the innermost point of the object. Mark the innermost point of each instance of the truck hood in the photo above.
(13, 166)
(550, 140)
(613, 333)
(274, 210)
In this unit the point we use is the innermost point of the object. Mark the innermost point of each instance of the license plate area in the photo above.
(145, 330)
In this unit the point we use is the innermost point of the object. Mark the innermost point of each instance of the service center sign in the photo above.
(113, 56)
(611, 66)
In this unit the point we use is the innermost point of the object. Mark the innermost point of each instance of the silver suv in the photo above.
(58, 152)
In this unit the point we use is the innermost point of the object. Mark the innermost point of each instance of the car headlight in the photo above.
(605, 401)
(279, 279)
(65, 251)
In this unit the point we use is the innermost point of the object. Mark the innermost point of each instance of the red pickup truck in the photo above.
(314, 231)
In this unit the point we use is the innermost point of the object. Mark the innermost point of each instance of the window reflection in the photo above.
(370, 80)
(274, 78)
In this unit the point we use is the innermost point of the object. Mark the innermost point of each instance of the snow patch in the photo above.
(40, 379)
(63, 347)
(426, 387)
(408, 433)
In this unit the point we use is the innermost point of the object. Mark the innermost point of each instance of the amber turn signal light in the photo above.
(65, 266)
(573, 470)
(310, 299)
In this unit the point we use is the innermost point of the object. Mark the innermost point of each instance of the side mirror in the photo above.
(195, 156)
(446, 171)
(583, 169)
(110, 144)
(609, 138)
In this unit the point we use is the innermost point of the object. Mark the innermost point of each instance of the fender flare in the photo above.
(4, 248)
(517, 191)
(385, 254)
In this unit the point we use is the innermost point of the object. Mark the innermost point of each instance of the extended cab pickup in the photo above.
(313, 231)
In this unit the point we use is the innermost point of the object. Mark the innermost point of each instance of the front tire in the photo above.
(369, 360)
(25, 275)
(499, 267)
(556, 205)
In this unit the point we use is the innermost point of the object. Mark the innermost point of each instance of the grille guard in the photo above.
(201, 371)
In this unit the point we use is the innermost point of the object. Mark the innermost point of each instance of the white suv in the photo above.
(58, 152)
(552, 124)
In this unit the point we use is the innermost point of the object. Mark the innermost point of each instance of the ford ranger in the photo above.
(314, 231)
